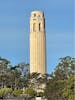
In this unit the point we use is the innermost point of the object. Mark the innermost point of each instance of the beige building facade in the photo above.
(37, 42)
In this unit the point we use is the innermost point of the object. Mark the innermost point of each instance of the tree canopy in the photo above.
(59, 84)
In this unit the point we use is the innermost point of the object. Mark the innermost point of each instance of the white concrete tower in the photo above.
(37, 42)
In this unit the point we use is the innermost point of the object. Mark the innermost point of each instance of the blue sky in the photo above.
(14, 29)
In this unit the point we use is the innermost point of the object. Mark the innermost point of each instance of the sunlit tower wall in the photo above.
(37, 42)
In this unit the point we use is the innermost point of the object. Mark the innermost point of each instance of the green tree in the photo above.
(65, 68)
(57, 81)
(68, 91)
(17, 78)
(54, 89)
(4, 63)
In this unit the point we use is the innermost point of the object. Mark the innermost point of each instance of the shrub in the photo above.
(31, 92)
(4, 92)
(17, 92)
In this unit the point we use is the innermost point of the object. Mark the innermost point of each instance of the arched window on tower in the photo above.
(39, 26)
(34, 27)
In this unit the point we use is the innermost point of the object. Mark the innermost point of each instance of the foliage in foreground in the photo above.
(60, 84)
(4, 92)
(68, 91)
(17, 92)
(31, 92)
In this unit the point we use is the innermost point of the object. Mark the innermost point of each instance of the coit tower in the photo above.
(37, 43)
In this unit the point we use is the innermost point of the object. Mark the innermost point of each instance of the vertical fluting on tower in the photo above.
(37, 42)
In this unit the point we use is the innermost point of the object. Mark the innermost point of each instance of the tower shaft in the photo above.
(37, 43)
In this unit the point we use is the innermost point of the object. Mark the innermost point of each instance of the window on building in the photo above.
(39, 26)
(34, 15)
(38, 15)
(34, 26)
